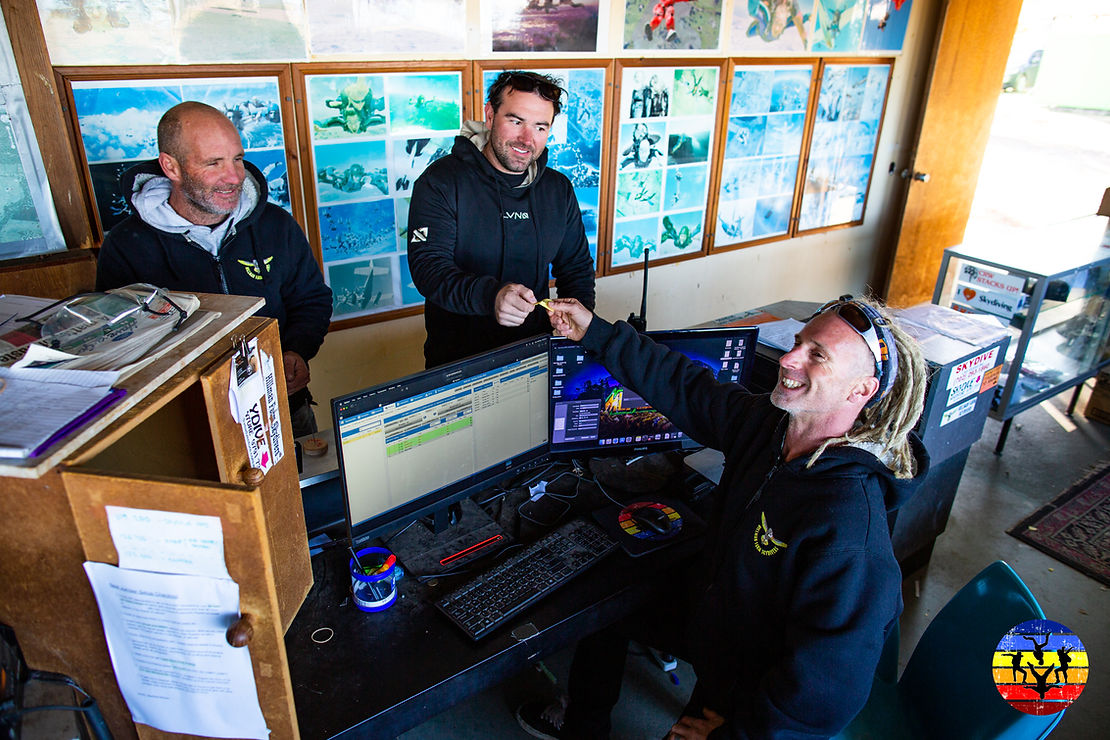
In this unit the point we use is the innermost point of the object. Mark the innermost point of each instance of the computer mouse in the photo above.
(651, 519)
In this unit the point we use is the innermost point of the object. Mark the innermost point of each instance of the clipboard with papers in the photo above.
(38, 408)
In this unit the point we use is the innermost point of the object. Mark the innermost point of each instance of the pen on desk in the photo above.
(384, 567)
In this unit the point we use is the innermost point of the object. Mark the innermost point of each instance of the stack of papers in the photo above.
(115, 330)
(40, 407)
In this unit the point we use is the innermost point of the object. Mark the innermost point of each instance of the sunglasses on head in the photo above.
(853, 314)
(524, 82)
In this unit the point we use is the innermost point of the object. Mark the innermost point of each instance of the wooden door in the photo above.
(973, 43)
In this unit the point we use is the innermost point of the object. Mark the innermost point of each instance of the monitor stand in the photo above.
(472, 535)
(636, 475)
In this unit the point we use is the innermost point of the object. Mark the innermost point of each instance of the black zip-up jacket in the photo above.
(264, 254)
(798, 585)
(470, 233)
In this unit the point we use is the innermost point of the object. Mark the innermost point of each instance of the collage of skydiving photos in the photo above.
(846, 129)
(667, 117)
(372, 136)
(766, 121)
(637, 138)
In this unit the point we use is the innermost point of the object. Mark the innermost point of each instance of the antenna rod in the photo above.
(639, 323)
(643, 296)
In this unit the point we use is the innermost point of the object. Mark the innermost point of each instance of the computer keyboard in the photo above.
(499, 594)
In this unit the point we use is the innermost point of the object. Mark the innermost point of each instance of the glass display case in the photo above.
(1051, 288)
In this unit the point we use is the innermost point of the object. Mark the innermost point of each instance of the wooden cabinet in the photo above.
(171, 444)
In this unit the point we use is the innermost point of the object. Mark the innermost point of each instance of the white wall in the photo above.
(815, 268)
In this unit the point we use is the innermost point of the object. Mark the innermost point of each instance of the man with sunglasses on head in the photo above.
(797, 587)
(488, 222)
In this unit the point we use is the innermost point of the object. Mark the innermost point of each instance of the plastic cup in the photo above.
(377, 592)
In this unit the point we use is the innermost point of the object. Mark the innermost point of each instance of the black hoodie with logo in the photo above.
(798, 585)
(264, 253)
(471, 232)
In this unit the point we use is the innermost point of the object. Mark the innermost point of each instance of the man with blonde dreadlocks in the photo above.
(798, 586)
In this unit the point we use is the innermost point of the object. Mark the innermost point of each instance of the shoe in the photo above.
(544, 721)
(647, 31)
(672, 35)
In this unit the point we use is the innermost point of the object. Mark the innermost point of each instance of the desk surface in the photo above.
(386, 672)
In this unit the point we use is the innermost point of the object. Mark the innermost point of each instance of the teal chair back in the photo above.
(947, 689)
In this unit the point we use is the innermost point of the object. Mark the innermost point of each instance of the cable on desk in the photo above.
(399, 532)
(605, 493)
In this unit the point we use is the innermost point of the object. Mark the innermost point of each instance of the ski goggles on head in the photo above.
(874, 328)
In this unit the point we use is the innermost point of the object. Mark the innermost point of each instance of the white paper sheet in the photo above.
(779, 334)
(168, 541)
(36, 403)
(173, 664)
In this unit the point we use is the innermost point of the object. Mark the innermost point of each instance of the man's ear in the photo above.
(170, 167)
(489, 114)
(865, 388)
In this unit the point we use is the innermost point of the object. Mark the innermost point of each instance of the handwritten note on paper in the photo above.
(175, 669)
(168, 541)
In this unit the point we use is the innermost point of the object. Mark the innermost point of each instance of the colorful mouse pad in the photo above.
(620, 523)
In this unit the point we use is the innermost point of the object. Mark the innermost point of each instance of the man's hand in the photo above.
(692, 728)
(296, 372)
(513, 304)
(569, 317)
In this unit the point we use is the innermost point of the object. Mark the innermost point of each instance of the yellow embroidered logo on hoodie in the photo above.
(251, 267)
(765, 542)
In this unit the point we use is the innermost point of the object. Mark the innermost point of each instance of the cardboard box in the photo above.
(1098, 406)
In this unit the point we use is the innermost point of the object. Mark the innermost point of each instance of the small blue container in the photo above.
(377, 592)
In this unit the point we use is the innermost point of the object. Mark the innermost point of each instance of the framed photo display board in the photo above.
(665, 129)
(369, 133)
(115, 112)
(764, 139)
(576, 145)
(849, 116)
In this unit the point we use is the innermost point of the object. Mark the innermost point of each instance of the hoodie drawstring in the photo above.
(541, 279)
(501, 219)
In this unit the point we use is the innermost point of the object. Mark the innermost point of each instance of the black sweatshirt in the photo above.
(798, 585)
(470, 233)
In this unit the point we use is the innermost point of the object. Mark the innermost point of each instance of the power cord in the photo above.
(9, 713)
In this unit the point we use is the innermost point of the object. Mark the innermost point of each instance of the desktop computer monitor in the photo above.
(414, 446)
(592, 414)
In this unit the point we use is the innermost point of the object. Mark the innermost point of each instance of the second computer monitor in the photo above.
(592, 414)
(413, 446)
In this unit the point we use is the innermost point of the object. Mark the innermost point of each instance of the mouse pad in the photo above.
(618, 523)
